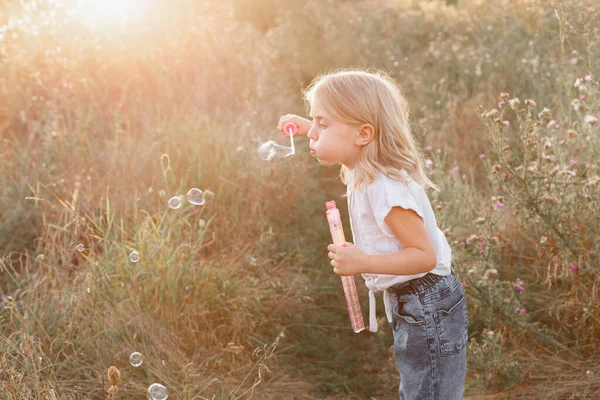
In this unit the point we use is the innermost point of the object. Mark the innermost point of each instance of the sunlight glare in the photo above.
(101, 12)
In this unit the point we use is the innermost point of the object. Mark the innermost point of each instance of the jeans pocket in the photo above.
(408, 309)
(452, 325)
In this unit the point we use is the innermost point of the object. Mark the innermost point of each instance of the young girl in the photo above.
(360, 120)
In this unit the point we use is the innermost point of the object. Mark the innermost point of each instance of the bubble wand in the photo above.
(291, 128)
(337, 234)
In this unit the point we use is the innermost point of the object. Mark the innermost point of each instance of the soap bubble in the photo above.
(156, 391)
(195, 196)
(136, 359)
(80, 247)
(268, 150)
(134, 256)
(175, 202)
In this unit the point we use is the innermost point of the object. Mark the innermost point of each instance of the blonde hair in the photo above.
(357, 97)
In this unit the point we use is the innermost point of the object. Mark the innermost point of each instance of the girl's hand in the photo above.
(302, 123)
(347, 260)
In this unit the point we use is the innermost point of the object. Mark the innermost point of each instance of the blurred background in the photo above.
(109, 109)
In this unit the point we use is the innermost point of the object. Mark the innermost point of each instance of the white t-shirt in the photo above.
(368, 208)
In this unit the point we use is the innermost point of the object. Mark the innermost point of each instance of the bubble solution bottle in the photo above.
(337, 234)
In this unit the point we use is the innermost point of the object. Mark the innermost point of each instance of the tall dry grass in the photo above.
(103, 121)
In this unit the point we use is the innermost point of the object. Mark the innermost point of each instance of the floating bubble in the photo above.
(195, 196)
(175, 202)
(40, 257)
(269, 150)
(134, 256)
(136, 359)
(156, 391)
(80, 247)
(89, 290)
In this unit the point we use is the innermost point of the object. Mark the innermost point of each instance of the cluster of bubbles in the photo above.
(156, 391)
(269, 150)
(194, 196)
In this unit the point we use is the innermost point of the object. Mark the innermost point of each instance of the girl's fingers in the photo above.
(331, 255)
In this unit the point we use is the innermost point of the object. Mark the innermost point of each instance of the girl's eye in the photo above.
(321, 126)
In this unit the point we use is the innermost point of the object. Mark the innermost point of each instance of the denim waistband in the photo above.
(418, 284)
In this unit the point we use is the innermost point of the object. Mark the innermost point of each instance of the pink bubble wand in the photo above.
(350, 293)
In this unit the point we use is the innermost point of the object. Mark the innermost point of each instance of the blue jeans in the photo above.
(430, 325)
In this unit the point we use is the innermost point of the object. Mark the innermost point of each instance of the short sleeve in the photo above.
(384, 194)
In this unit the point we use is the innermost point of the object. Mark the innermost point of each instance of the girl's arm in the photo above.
(418, 255)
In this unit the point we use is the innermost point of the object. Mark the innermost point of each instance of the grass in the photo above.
(101, 124)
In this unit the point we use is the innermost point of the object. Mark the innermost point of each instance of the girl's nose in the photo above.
(312, 132)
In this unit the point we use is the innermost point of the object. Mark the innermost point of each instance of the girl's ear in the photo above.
(365, 134)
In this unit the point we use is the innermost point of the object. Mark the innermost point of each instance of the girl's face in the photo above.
(332, 141)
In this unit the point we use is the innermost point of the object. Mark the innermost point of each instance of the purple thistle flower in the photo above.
(469, 240)
(481, 156)
(429, 148)
(482, 244)
(501, 104)
(573, 267)
(498, 206)
(520, 288)
(522, 311)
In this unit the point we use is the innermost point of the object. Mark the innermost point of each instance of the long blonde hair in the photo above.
(356, 97)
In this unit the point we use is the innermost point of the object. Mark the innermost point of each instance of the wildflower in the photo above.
(514, 103)
(490, 273)
(501, 104)
(504, 96)
(590, 119)
(530, 103)
(582, 97)
(113, 375)
(588, 78)
(545, 113)
(520, 288)
(495, 239)
(576, 104)
(482, 244)
(498, 206)
(573, 267)
(574, 163)
(429, 148)
(547, 145)
(491, 114)
(543, 239)
(505, 123)
(469, 240)
(552, 124)
(522, 311)
(481, 156)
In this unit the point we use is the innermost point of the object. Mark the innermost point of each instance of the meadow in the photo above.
(110, 109)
